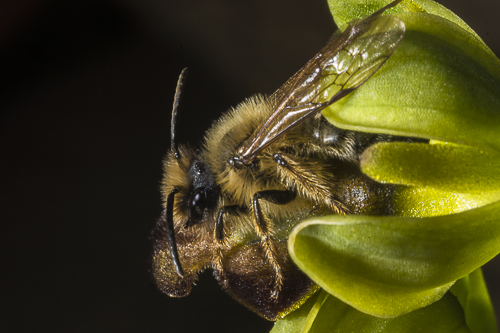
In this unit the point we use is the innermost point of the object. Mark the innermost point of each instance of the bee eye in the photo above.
(197, 206)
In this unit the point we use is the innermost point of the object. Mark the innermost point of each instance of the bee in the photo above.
(265, 166)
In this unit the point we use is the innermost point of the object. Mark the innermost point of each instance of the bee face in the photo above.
(203, 193)
(191, 188)
(264, 167)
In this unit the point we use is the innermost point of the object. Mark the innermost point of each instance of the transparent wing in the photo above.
(346, 62)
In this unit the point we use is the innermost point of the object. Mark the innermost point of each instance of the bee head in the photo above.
(188, 186)
(190, 198)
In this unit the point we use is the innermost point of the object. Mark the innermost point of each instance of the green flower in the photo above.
(399, 273)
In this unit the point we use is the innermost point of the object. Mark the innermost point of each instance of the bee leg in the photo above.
(220, 236)
(263, 228)
(308, 178)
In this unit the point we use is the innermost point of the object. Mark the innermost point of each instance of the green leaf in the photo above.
(441, 83)
(444, 316)
(440, 166)
(472, 293)
(388, 266)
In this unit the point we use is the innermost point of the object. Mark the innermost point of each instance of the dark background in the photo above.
(86, 90)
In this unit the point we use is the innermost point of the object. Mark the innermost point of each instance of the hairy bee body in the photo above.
(324, 155)
(264, 167)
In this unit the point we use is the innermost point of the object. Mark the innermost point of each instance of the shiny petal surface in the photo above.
(388, 266)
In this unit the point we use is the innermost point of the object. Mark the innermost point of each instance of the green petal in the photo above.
(388, 266)
(440, 166)
(441, 83)
(301, 319)
(444, 178)
(344, 11)
(423, 202)
(472, 293)
(444, 316)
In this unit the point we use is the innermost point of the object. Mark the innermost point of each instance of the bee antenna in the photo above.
(177, 97)
(170, 231)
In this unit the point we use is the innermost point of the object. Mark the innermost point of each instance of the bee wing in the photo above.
(347, 61)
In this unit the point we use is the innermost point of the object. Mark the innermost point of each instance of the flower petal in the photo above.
(388, 266)
(441, 83)
(444, 316)
(472, 293)
(440, 166)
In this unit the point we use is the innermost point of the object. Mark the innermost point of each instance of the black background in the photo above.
(86, 90)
